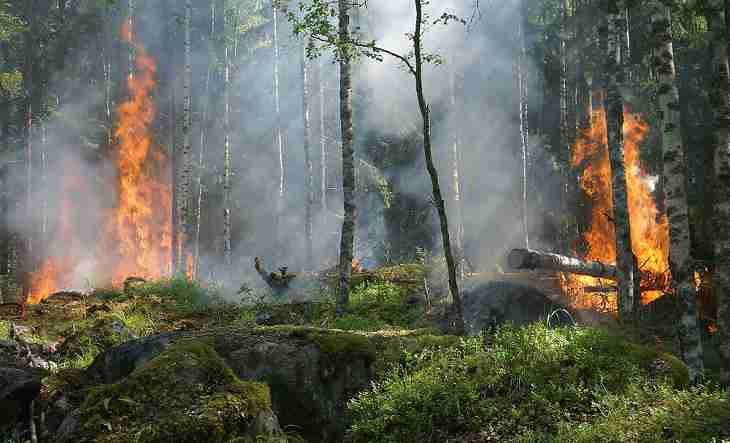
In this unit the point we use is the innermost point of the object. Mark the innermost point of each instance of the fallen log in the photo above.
(532, 259)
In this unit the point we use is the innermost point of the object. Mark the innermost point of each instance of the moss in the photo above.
(186, 394)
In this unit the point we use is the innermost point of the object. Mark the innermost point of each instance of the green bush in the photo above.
(655, 414)
(188, 295)
(528, 385)
(378, 305)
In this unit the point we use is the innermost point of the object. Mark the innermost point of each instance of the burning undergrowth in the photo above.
(134, 232)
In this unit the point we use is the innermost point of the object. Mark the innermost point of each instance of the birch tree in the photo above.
(456, 179)
(347, 237)
(614, 106)
(203, 133)
(307, 156)
(315, 22)
(322, 142)
(674, 174)
(184, 195)
(720, 96)
(227, 258)
(278, 137)
(524, 127)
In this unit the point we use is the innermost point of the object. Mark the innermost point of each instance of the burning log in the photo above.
(532, 259)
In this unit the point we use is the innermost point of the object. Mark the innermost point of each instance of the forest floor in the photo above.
(122, 364)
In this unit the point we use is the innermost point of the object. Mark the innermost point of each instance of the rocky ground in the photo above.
(171, 361)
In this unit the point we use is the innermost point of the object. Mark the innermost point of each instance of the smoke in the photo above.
(478, 71)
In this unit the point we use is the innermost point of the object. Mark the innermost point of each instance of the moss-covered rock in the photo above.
(186, 394)
(312, 372)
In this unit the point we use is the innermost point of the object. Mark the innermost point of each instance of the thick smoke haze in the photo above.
(478, 73)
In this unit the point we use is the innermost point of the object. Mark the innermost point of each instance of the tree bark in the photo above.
(172, 133)
(203, 140)
(456, 179)
(674, 172)
(348, 159)
(278, 137)
(458, 319)
(720, 100)
(184, 194)
(615, 119)
(322, 141)
(307, 158)
(532, 259)
(524, 123)
(227, 258)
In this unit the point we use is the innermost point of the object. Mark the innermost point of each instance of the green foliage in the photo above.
(378, 305)
(10, 25)
(654, 414)
(530, 382)
(188, 295)
(11, 83)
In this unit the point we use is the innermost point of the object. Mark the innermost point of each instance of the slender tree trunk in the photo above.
(458, 320)
(278, 139)
(456, 179)
(107, 60)
(184, 194)
(130, 48)
(44, 185)
(172, 128)
(524, 127)
(674, 171)
(720, 97)
(227, 259)
(322, 143)
(564, 137)
(615, 120)
(203, 128)
(307, 158)
(348, 162)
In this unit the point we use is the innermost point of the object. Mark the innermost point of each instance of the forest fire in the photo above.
(649, 230)
(140, 226)
(135, 238)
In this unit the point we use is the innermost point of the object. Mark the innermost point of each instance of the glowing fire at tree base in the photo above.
(649, 229)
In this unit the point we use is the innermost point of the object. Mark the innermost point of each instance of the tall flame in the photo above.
(649, 229)
(135, 238)
(140, 226)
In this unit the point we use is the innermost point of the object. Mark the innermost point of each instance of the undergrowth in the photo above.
(538, 384)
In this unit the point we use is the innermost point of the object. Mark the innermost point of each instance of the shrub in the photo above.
(531, 382)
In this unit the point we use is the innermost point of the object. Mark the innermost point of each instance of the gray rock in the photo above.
(17, 389)
(495, 303)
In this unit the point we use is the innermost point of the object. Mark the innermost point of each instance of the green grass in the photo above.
(533, 384)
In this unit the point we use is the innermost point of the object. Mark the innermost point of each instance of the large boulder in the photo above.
(311, 372)
(187, 394)
(17, 389)
(489, 305)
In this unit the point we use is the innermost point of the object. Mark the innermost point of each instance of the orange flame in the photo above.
(55, 273)
(136, 234)
(140, 226)
(649, 229)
